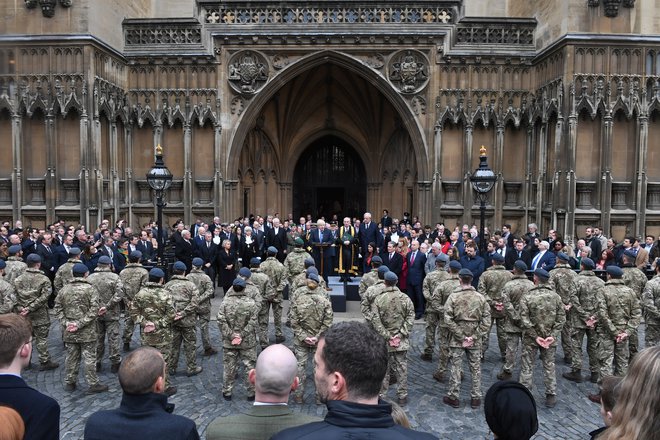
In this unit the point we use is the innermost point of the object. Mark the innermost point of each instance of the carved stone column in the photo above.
(17, 175)
(498, 196)
(424, 201)
(562, 199)
(542, 149)
(467, 188)
(188, 184)
(529, 166)
(96, 147)
(641, 178)
(572, 143)
(436, 190)
(113, 184)
(606, 176)
(230, 197)
(286, 198)
(87, 164)
(129, 172)
(373, 191)
(51, 180)
(218, 193)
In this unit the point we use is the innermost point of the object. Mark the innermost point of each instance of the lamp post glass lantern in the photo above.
(482, 182)
(159, 179)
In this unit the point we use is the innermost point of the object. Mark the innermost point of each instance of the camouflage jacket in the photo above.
(300, 280)
(154, 304)
(64, 274)
(512, 293)
(431, 281)
(238, 315)
(111, 292)
(370, 295)
(134, 277)
(635, 279)
(491, 285)
(541, 314)
(584, 303)
(78, 302)
(277, 274)
(562, 281)
(185, 297)
(15, 268)
(7, 297)
(32, 291)
(651, 301)
(393, 315)
(310, 314)
(204, 287)
(441, 294)
(368, 280)
(266, 288)
(467, 314)
(294, 263)
(618, 309)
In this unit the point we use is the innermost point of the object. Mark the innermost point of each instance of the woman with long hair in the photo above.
(402, 249)
(227, 265)
(372, 251)
(606, 259)
(636, 415)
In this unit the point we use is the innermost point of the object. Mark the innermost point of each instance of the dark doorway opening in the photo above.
(329, 180)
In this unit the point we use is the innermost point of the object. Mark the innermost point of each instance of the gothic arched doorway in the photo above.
(329, 179)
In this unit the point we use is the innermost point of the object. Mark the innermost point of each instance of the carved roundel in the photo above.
(248, 72)
(408, 71)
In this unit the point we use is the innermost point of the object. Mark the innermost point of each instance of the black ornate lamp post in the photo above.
(160, 179)
(482, 182)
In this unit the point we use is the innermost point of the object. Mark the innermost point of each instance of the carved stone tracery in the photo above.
(408, 71)
(248, 72)
(47, 6)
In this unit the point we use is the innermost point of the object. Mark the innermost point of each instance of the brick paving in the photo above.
(200, 398)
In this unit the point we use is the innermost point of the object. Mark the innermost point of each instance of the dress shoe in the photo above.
(170, 391)
(69, 387)
(114, 368)
(127, 347)
(210, 351)
(393, 380)
(504, 375)
(298, 399)
(50, 365)
(574, 376)
(475, 403)
(402, 401)
(568, 360)
(550, 400)
(595, 398)
(250, 398)
(593, 378)
(454, 403)
(440, 377)
(97, 388)
(227, 397)
(279, 339)
(426, 357)
(194, 372)
(98, 367)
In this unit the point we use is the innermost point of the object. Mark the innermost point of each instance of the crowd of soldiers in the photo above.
(560, 306)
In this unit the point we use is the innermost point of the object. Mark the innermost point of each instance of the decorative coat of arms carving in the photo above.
(408, 71)
(248, 72)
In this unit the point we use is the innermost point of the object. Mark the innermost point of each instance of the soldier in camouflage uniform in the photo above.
(311, 315)
(651, 307)
(467, 316)
(111, 292)
(266, 290)
(206, 289)
(434, 315)
(153, 310)
(237, 319)
(185, 297)
(370, 278)
(636, 280)
(370, 295)
(277, 274)
(542, 316)
(134, 276)
(393, 318)
(512, 293)
(300, 280)
(33, 289)
(439, 299)
(562, 281)
(15, 265)
(583, 311)
(7, 292)
(491, 284)
(64, 274)
(77, 308)
(294, 263)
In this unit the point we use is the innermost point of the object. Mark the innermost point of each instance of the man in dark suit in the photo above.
(392, 259)
(274, 378)
(144, 412)
(386, 220)
(184, 250)
(48, 256)
(322, 236)
(416, 262)
(369, 233)
(40, 413)
(276, 237)
(145, 246)
(518, 253)
(544, 259)
(208, 252)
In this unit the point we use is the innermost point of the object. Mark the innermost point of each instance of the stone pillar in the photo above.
(113, 184)
(424, 202)
(218, 182)
(641, 178)
(542, 149)
(89, 162)
(17, 175)
(436, 190)
(95, 150)
(129, 172)
(564, 197)
(286, 198)
(467, 188)
(188, 184)
(230, 211)
(51, 178)
(373, 190)
(527, 185)
(572, 143)
(606, 176)
(498, 166)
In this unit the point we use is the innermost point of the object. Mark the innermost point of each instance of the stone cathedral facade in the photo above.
(329, 107)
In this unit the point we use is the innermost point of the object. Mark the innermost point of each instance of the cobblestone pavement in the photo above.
(200, 397)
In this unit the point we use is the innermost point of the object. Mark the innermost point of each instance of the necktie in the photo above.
(208, 244)
(519, 255)
(536, 261)
(412, 258)
(391, 255)
(48, 249)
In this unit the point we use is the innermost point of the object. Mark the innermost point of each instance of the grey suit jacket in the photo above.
(259, 423)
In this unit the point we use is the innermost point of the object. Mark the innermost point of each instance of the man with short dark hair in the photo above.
(144, 412)
(40, 413)
(351, 362)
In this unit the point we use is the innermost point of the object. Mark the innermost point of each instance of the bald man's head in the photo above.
(275, 373)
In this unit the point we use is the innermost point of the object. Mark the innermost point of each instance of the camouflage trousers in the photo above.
(40, 333)
(112, 330)
(129, 327)
(231, 358)
(633, 342)
(264, 313)
(592, 341)
(612, 357)
(188, 336)
(163, 343)
(397, 366)
(456, 367)
(433, 320)
(203, 321)
(304, 354)
(547, 360)
(74, 352)
(567, 339)
(501, 336)
(443, 342)
(652, 336)
(513, 341)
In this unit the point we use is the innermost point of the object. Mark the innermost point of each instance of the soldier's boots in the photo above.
(69, 387)
(475, 403)
(403, 401)
(250, 398)
(98, 388)
(127, 347)
(195, 371)
(574, 376)
(170, 391)
(440, 377)
(393, 379)
(454, 403)
(550, 400)
(279, 339)
(504, 375)
(298, 399)
(426, 357)
(593, 378)
(50, 365)
(114, 368)
(210, 351)
(98, 367)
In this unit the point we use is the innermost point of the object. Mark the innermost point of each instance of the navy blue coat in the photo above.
(416, 269)
(40, 413)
